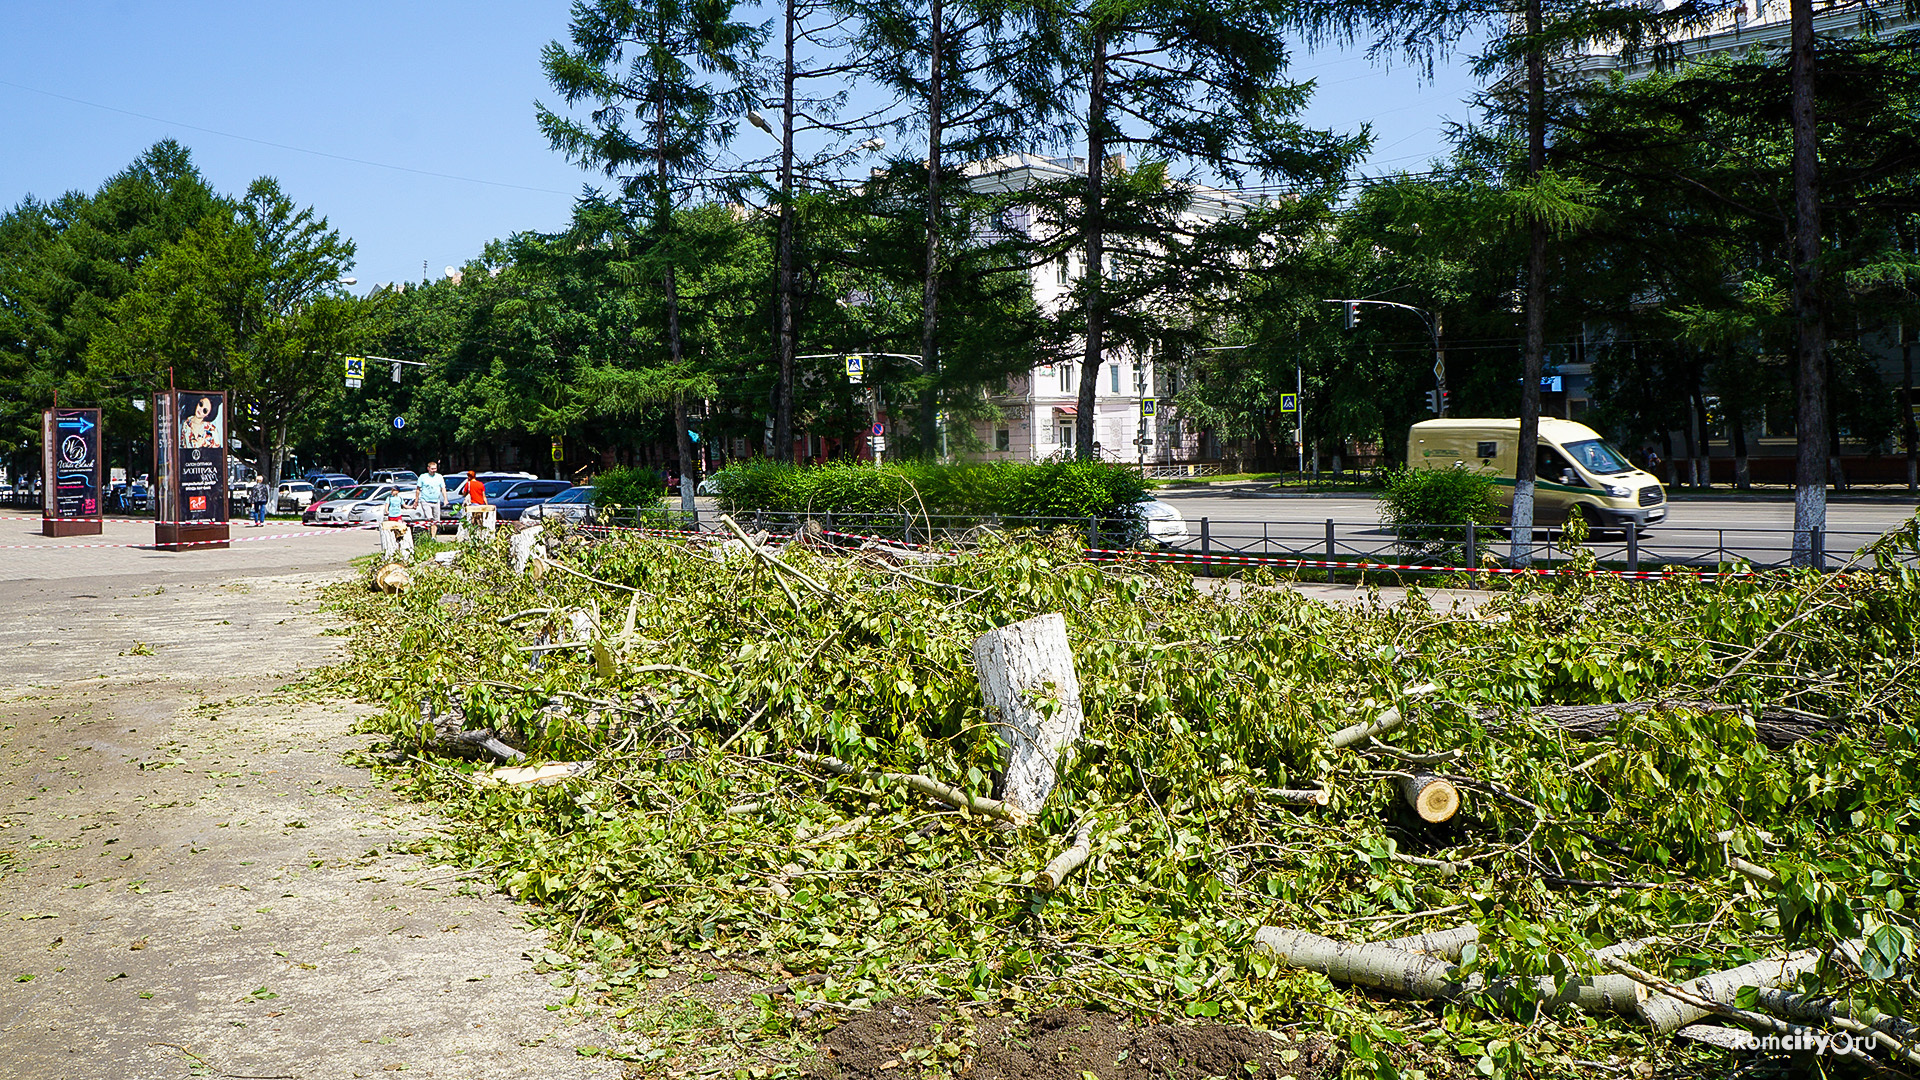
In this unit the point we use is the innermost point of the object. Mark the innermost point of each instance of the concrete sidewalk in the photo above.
(196, 876)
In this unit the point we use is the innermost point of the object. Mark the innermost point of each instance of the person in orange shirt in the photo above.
(473, 490)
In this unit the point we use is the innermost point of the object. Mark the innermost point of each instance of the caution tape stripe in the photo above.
(183, 543)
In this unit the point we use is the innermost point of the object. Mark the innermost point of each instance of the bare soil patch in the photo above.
(907, 1039)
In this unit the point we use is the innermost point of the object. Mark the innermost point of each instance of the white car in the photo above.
(574, 505)
(293, 495)
(1164, 524)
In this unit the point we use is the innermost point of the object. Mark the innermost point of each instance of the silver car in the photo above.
(1165, 525)
(574, 505)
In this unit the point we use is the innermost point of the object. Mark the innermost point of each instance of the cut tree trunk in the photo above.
(1443, 943)
(1776, 727)
(1434, 799)
(1033, 699)
(1358, 963)
(1666, 1014)
(1424, 977)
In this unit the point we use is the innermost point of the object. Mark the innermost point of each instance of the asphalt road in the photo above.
(1696, 530)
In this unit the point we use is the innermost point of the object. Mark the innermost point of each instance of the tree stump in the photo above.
(1434, 799)
(1033, 700)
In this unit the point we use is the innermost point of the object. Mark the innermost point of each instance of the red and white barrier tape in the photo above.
(183, 543)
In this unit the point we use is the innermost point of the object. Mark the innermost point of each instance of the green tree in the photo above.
(1194, 90)
(681, 67)
(63, 265)
(247, 300)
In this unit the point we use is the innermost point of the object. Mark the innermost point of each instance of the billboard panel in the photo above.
(70, 441)
(201, 434)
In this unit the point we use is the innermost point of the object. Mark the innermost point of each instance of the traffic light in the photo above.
(1433, 401)
(1353, 314)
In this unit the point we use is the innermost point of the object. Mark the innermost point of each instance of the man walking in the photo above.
(257, 496)
(433, 496)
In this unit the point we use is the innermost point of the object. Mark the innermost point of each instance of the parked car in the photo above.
(293, 495)
(511, 498)
(573, 504)
(1161, 523)
(394, 476)
(326, 482)
(336, 507)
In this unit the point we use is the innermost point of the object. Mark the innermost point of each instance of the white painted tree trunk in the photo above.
(1033, 699)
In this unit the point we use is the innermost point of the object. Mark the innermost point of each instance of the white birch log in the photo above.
(1443, 943)
(1066, 862)
(1033, 700)
(1359, 735)
(523, 544)
(1434, 799)
(1424, 977)
(1666, 1014)
(1378, 967)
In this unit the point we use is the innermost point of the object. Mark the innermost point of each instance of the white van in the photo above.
(1576, 468)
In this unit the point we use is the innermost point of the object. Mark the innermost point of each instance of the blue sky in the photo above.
(409, 123)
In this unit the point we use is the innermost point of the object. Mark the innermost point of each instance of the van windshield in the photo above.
(1597, 456)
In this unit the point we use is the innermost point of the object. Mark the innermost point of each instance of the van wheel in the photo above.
(1596, 523)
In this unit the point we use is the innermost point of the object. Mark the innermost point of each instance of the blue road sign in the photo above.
(399, 422)
(1289, 402)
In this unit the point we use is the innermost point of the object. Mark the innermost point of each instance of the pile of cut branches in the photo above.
(783, 756)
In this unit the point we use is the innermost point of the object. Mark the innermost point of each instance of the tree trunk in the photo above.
(1095, 250)
(1424, 977)
(782, 448)
(1032, 697)
(1909, 431)
(930, 301)
(1445, 944)
(1737, 432)
(1434, 799)
(1810, 406)
(1665, 1014)
(1775, 728)
(1526, 464)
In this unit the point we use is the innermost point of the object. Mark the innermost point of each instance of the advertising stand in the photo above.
(190, 469)
(70, 497)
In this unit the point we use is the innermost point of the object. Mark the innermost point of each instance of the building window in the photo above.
(1066, 378)
(1002, 440)
(1113, 370)
(1064, 269)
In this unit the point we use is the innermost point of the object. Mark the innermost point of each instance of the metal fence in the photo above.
(1346, 545)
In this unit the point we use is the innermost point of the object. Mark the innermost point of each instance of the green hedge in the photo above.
(625, 487)
(1062, 489)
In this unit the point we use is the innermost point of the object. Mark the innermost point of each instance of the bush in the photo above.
(621, 486)
(1430, 507)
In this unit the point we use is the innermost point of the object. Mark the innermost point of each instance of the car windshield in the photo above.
(1597, 456)
(364, 491)
(496, 488)
(573, 495)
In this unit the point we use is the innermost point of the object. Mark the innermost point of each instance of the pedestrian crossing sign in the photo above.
(1289, 402)
(356, 367)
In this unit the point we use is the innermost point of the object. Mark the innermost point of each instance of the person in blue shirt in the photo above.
(395, 537)
(433, 495)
